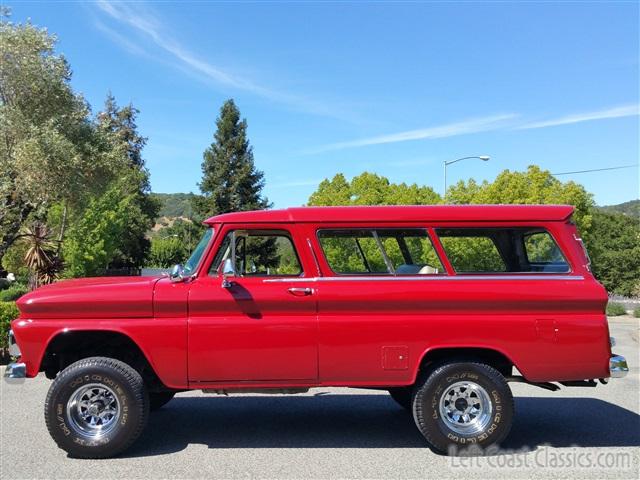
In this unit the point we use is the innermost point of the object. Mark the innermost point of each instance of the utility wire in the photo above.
(597, 170)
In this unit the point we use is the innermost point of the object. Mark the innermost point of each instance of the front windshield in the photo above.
(194, 259)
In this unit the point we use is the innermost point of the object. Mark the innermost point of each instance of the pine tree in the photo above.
(119, 128)
(230, 180)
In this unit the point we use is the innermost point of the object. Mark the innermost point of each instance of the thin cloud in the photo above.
(615, 112)
(146, 24)
(465, 127)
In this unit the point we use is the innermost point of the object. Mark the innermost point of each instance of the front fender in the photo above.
(162, 341)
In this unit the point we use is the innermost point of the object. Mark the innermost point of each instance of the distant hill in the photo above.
(174, 204)
(631, 208)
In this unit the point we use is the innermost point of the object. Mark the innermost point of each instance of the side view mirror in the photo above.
(177, 273)
(226, 270)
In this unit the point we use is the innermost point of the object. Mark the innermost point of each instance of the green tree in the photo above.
(48, 148)
(166, 252)
(533, 186)
(189, 233)
(118, 126)
(230, 180)
(94, 239)
(371, 189)
(614, 248)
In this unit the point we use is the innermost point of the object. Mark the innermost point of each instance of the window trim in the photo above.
(373, 230)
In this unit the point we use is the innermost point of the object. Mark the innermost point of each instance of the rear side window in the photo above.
(499, 250)
(380, 251)
(472, 254)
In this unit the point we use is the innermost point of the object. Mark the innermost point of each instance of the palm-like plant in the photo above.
(41, 256)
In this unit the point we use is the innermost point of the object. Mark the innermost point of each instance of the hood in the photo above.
(101, 297)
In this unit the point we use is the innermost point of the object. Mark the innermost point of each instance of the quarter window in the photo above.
(260, 253)
(543, 254)
(380, 251)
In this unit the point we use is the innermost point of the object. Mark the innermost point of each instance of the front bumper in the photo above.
(14, 350)
(618, 367)
(16, 370)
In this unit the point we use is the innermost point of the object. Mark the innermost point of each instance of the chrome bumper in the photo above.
(14, 350)
(16, 370)
(618, 367)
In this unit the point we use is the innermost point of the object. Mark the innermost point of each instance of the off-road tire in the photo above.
(133, 401)
(402, 396)
(157, 400)
(434, 383)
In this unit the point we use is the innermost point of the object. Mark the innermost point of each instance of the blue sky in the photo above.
(391, 88)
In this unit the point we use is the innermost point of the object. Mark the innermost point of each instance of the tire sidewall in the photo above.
(60, 425)
(427, 412)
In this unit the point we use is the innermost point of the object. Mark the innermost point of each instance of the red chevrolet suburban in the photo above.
(440, 305)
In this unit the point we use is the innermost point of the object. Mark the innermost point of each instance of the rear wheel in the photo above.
(461, 404)
(402, 396)
(96, 407)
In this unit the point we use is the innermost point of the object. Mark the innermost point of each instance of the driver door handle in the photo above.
(300, 291)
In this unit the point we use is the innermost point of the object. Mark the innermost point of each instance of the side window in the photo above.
(496, 250)
(471, 252)
(260, 253)
(352, 251)
(543, 254)
(410, 252)
(383, 251)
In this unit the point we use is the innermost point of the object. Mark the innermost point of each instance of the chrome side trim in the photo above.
(15, 370)
(618, 367)
(415, 278)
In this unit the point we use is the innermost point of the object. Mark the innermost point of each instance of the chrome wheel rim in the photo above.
(93, 410)
(465, 408)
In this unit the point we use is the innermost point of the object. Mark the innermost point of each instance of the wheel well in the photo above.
(68, 347)
(485, 355)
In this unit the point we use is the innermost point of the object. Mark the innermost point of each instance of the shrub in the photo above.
(636, 313)
(13, 293)
(615, 309)
(8, 312)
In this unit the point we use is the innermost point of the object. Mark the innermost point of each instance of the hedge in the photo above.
(8, 312)
(13, 293)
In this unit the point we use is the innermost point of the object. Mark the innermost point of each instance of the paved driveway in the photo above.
(339, 433)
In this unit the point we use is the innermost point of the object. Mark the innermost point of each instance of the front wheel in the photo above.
(96, 407)
(463, 404)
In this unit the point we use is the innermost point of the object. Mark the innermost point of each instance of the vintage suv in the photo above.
(439, 305)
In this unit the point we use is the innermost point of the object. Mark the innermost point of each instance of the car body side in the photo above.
(363, 331)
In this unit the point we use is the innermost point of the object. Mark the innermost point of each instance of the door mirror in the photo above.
(177, 273)
(226, 270)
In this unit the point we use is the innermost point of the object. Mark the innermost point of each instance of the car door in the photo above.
(262, 326)
(377, 292)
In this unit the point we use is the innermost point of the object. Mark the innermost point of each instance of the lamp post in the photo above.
(484, 158)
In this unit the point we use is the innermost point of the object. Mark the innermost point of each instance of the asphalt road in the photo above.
(342, 433)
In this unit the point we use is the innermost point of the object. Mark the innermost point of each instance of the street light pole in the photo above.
(484, 158)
